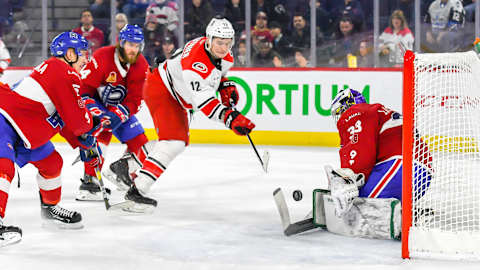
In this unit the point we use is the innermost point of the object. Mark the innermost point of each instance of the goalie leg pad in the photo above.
(368, 218)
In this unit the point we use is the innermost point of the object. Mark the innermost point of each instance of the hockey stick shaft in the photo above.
(256, 152)
(98, 173)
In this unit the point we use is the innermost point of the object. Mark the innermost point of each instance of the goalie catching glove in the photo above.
(344, 184)
(228, 93)
(235, 121)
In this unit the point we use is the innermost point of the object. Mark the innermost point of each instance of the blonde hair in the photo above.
(398, 14)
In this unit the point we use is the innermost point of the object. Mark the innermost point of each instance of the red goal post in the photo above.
(441, 134)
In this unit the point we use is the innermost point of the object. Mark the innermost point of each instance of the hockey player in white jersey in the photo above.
(447, 18)
(186, 82)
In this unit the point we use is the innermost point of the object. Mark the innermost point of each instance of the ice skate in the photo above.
(9, 235)
(118, 174)
(59, 217)
(141, 204)
(89, 190)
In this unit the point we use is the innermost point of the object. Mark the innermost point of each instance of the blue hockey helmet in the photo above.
(344, 100)
(131, 33)
(63, 41)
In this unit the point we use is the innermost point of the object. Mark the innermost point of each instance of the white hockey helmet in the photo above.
(220, 28)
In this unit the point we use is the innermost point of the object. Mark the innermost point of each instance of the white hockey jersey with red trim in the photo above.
(193, 77)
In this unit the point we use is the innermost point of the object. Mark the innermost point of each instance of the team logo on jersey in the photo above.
(201, 67)
(112, 77)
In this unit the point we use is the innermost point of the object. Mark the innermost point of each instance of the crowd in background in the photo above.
(281, 33)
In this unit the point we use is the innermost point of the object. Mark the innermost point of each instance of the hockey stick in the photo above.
(108, 206)
(266, 154)
(288, 227)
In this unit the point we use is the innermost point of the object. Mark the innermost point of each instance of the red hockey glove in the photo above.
(228, 93)
(238, 123)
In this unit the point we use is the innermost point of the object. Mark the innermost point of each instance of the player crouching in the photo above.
(364, 195)
(38, 107)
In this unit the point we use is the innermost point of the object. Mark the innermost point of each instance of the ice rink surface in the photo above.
(215, 211)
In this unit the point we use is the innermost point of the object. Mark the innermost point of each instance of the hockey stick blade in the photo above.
(289, 228)
(266, 160)
(300, 227)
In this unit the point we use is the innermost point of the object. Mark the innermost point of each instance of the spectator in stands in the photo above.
(260, 30)
(266, 56)
(135, 8)
(153, 34)
(120, 21)
(241, 54)
(364, 55)
(274, 10)
(395, 40)
(446, 18)
(4, 57)
(300, 36)
(235, 12)
(323, 20)
(165, 12)
(93, 34)
(301, 58)
(197, 18)
(100, 9)
(281, 43)
(344, 42)
(351, 8)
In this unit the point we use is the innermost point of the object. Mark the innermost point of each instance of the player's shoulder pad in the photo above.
(195, 58)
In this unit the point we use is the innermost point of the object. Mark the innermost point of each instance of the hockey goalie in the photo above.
(364, 195)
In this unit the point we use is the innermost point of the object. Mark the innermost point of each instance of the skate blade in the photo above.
(139, 208)
(83, 195)
(112, 178)
(10, 238)
(56, 224)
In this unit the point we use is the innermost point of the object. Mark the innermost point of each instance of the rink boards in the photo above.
(288, 106)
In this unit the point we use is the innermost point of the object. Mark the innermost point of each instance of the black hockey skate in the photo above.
(9, 235)
(89, 190)
(118, 174)
(141, 204)
(60, 217)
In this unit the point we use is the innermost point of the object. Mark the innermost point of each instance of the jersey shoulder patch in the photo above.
(195, 58)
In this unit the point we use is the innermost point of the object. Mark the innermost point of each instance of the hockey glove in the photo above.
(228, 93)
(235, 121)
(117, 115)
(92, 156)
(89, 139)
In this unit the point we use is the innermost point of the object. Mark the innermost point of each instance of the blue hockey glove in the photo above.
(117, 115)
(92, 156)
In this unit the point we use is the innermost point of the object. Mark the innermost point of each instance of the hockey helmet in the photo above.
(344, 100)
(62, 42)
(220, 28)
(131, 33)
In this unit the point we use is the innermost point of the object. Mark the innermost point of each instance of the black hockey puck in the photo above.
(297, 195)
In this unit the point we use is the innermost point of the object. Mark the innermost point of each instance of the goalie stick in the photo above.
(288, 227)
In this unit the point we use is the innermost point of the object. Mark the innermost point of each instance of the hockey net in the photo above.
(441, 170)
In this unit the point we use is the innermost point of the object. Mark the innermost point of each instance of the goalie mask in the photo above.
(344, 100)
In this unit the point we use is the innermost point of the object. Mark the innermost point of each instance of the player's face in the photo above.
(131, 51)
(81, 62)
(220, 47)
